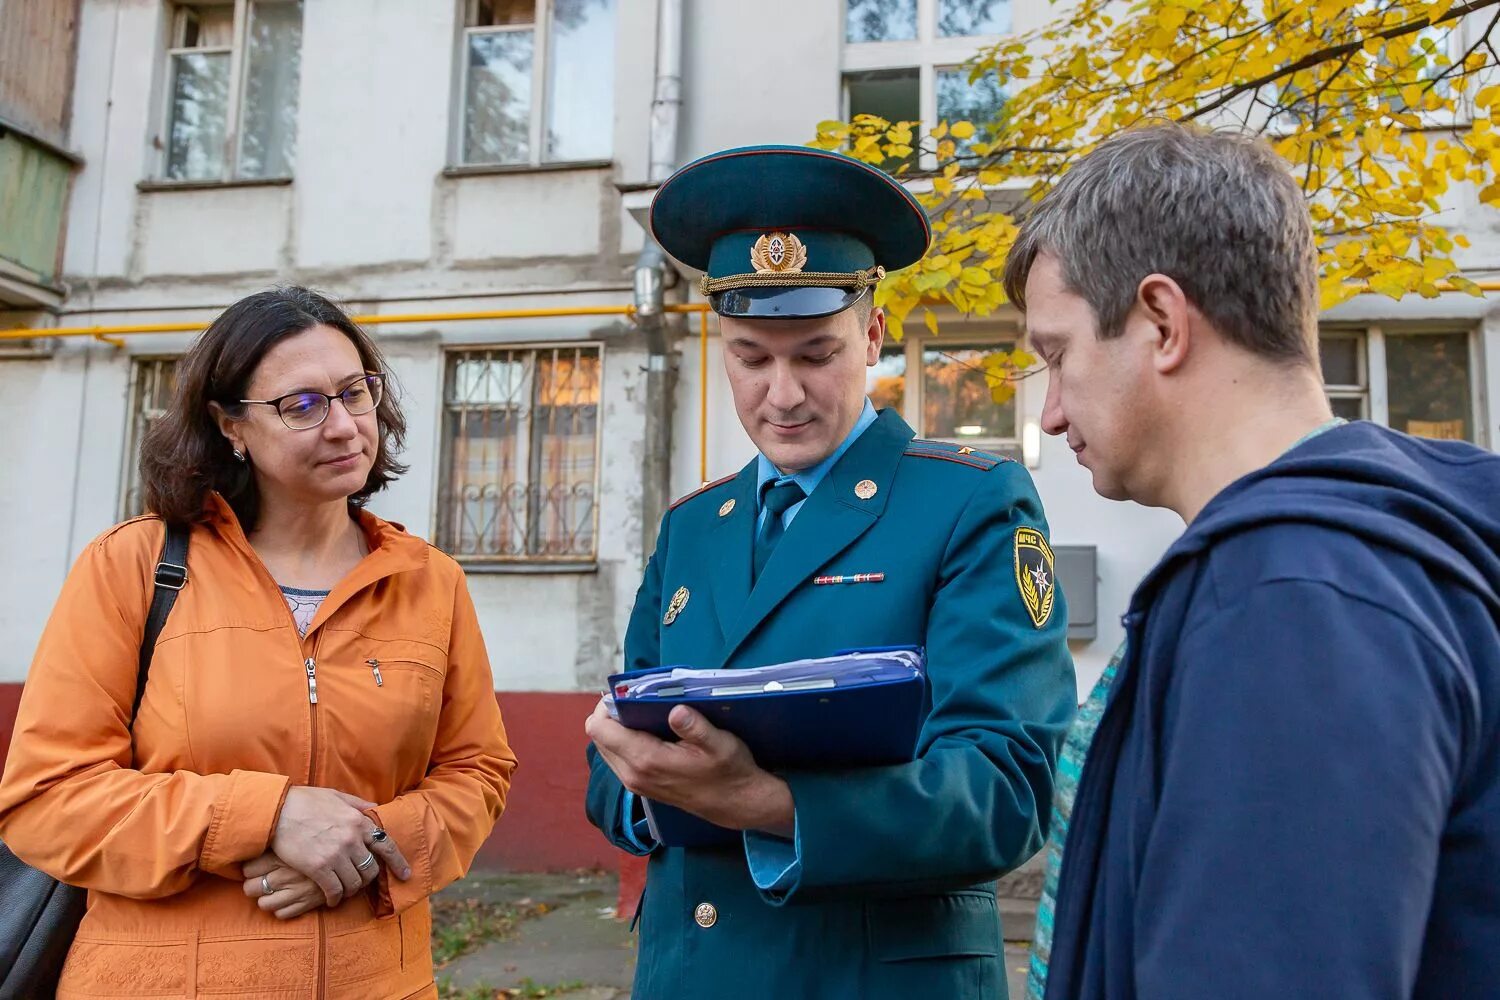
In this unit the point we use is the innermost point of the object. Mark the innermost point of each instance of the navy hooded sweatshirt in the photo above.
(1294, 790)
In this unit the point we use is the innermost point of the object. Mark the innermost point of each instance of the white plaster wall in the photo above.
(115, 99)
(415, 364)
(39, 401)
(551, 214)
(1489, 382)
(758, 72)
(373, 133)
(214, 231)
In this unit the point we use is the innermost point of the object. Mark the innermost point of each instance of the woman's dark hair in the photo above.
(184, 455)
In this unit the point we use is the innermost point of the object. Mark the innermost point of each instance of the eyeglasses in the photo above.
(302, 411)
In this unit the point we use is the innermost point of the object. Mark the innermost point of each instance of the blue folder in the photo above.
(859, 708)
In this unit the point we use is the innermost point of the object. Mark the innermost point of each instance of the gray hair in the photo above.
(1218, 213)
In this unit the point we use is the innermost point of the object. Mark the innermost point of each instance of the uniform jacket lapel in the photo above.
(733, 537)
(826, 524)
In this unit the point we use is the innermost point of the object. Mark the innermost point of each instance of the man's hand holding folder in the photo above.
(708, 772)
(854, 709)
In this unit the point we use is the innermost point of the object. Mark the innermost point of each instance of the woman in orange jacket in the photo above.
(318, 749)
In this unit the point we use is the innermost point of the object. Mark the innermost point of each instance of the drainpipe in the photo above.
(653, 275)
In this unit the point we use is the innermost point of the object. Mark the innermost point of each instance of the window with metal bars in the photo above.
(152, 382)
(520, 466)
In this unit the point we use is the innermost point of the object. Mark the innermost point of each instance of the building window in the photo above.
(952, 399)
(233, 71)
(1417, 381)
(538, 81)
(152, 382)
(904, 60)
(1344, 378)
(520, 454)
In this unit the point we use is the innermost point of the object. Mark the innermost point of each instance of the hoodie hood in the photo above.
(1436, 501)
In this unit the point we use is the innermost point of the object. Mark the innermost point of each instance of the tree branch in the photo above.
(1333, 52)
(1484, 39)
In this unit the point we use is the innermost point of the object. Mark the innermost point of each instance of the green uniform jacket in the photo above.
(895, 897)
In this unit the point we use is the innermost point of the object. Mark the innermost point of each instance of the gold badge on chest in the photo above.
(675, 606)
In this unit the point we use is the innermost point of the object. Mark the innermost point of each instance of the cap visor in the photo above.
(783, 303)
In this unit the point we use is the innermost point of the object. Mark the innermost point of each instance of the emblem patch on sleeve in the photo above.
(1034, 575)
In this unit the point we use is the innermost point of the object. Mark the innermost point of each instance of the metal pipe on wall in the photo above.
(653, 274)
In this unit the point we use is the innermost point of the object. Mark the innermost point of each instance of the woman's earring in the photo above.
(239, 457)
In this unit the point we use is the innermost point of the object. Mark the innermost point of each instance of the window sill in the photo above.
(243, 182)
(490, 169)
(518, 568)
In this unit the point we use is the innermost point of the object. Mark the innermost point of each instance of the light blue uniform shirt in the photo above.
(774, 861)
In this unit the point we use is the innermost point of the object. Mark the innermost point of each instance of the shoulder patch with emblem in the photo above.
(1035, 575)
(947, 451)
(699, 491)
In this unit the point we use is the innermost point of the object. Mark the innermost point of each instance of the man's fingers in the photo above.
(691, 727)
(611, 737)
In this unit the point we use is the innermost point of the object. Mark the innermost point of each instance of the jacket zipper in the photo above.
(310, 666)
(375, 669)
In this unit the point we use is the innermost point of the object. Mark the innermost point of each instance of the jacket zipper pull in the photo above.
(375, 669)
(312, 681)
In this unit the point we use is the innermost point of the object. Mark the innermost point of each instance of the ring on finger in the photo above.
(366, 863)
(265, 885)
(379, 836)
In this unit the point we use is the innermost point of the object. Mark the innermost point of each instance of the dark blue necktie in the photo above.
(777, 499)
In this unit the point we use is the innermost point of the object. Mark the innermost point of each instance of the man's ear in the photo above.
(1163, 304)
(874, 336)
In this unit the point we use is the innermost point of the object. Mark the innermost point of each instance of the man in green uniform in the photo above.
(843, 532)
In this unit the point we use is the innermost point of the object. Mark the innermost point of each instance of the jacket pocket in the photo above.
(950, 925)
(391, 672)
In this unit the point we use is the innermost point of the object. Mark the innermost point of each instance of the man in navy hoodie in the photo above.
(1294, 788)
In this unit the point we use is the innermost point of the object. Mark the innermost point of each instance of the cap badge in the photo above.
(778, 253)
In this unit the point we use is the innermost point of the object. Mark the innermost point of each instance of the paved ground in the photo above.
(565, 941)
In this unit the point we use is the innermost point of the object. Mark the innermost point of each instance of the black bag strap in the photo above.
(171, 576)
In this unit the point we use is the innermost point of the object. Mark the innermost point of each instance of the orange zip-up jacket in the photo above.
(388, 697)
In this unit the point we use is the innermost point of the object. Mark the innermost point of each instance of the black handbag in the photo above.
(38, 914)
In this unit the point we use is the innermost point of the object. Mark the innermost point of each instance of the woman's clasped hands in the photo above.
(324, 850)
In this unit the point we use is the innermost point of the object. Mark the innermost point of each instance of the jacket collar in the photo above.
(391, 550)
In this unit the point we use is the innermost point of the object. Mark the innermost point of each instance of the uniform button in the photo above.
(706, 915)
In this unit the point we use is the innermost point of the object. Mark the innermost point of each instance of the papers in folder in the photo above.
(854, 709)
(844, 671)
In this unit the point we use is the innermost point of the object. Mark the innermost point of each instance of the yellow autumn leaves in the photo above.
(1385, 110)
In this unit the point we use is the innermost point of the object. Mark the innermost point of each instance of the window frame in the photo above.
(929, 54)
(541, 95)
(234, 113)
(1372, 338)
(961, 338)
(136, 425)
(442, 480)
